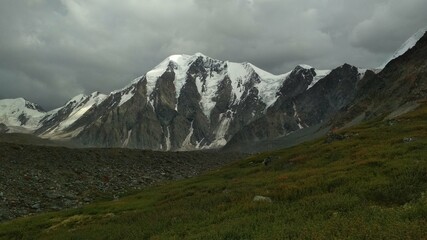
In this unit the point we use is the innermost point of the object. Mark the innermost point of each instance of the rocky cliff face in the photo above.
(300, 105)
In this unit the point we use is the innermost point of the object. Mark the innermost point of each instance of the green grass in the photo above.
(371, 185)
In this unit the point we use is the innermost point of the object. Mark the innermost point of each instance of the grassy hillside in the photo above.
(367, 182)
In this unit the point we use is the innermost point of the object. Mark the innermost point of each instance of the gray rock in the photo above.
(36, 206)
(68, 202)
(226, 191)
(135, 182)
(70, 196)
(22, 212)
(56, 208)
(266, 161)
(332, 137)
(52, 195)
(259, 198)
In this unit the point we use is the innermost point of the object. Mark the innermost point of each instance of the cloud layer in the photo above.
(51, 50)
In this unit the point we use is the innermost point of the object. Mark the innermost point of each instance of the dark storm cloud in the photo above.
(52, 50)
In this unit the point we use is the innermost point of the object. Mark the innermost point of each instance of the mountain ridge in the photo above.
(190, 102)
(219, 84)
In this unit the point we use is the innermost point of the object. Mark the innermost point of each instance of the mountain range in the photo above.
(190, 102)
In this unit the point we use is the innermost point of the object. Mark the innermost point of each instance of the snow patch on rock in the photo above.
(319, 75)
(81, 104)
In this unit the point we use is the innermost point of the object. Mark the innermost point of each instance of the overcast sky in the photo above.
(52, 50)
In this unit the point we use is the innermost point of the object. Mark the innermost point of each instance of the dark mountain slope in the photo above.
(397, 88)
(295, 110)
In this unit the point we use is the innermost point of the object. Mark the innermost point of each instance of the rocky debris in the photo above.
(39, 178)
(332, 137)
(226, 191)
(391, 122)
(35, 206)
(259, 198)
(408, 139)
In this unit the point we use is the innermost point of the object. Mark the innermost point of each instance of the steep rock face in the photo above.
(300, 105)
(327, 97)
(156, 121)
(249, 108)
(130, 124)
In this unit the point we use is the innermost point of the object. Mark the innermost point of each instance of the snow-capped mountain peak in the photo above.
(20, 113)
(180, 64)
(212, 100)
(215, 72)
(305, 66)
(199, 54)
